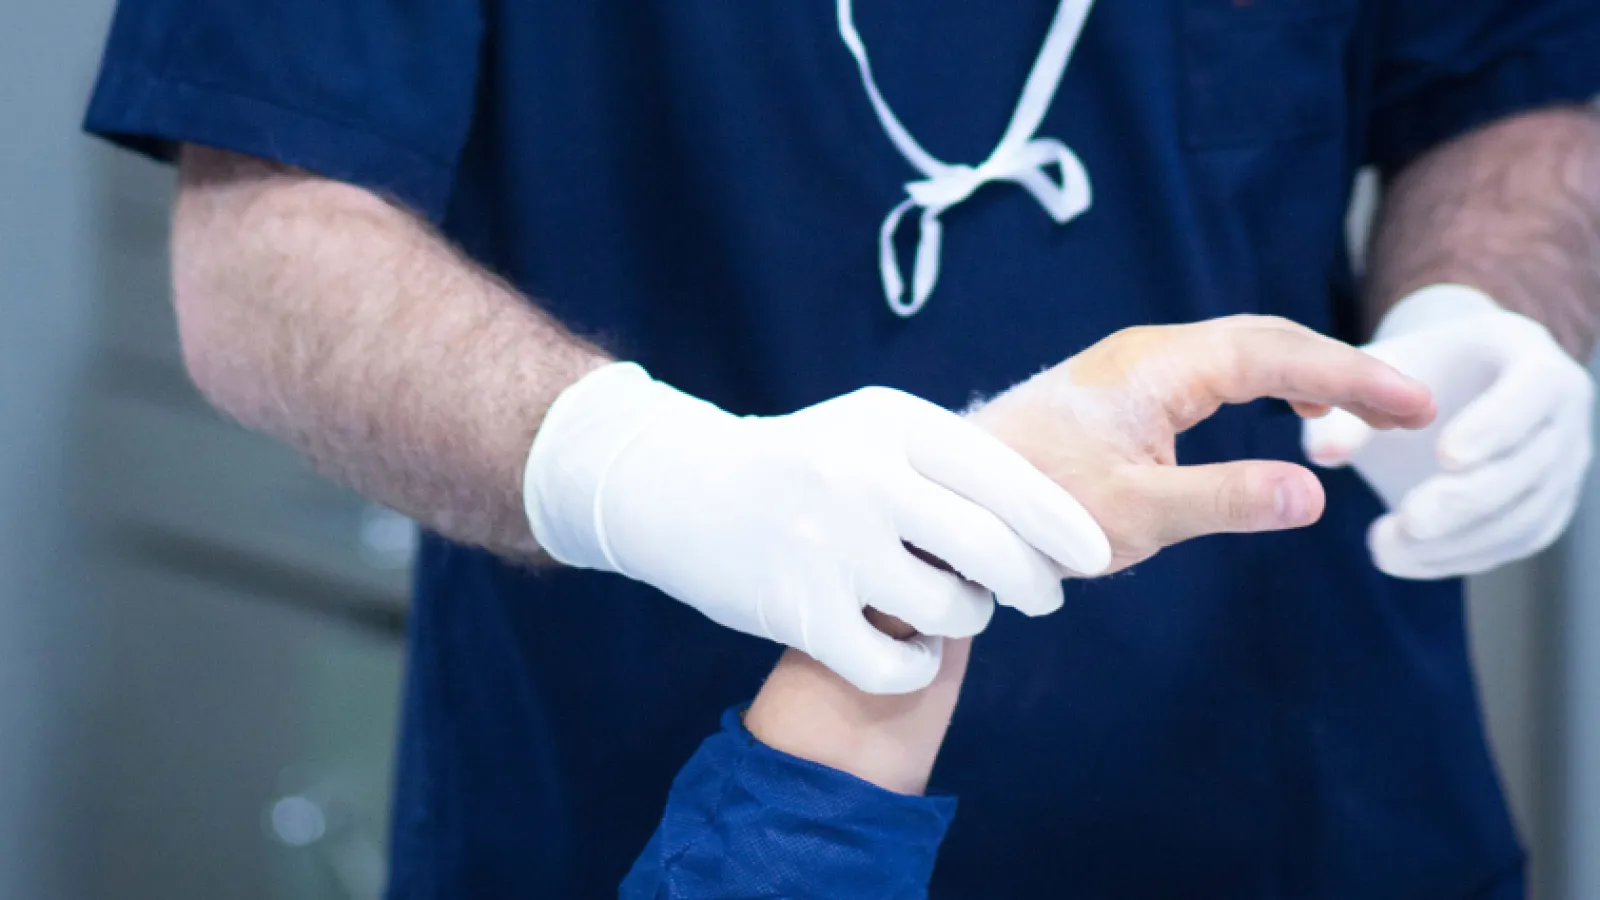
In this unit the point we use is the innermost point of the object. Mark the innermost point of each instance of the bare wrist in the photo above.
(889, 740)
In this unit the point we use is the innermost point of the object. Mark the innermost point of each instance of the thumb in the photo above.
(1335, 438)
(1228, 498)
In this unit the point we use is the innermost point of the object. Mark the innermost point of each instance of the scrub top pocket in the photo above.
(1259, 71)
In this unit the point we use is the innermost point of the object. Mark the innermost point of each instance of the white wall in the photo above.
(1577, 768)
(49, 630)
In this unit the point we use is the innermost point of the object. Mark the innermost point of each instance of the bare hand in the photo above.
(1104, 425)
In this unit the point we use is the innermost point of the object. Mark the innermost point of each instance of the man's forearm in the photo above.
(318, 313)
(1512, 209)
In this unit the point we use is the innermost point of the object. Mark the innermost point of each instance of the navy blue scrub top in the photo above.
(698, 184)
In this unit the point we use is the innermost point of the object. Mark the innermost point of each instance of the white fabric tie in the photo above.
(1019, 158)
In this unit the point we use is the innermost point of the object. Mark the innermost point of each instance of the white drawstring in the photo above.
(1019, 157)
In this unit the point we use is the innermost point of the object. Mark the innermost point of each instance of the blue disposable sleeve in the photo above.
(745, 820)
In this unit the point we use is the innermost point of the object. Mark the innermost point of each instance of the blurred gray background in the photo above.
(200, 641)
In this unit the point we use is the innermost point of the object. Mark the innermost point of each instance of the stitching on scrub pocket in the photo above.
(1263, 70)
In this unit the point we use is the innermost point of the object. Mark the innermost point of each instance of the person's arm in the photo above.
(344, 326)
(890, 741)
(1483, 276)
(1512, 209)
(314, 311)
(1104, 424)
(817, 791)
(1485, 284)
(319, 313)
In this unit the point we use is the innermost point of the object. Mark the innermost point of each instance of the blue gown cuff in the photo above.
(744, 819)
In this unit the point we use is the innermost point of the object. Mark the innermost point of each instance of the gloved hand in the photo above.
(1105, 422)
(788, 527)
(1497, 477)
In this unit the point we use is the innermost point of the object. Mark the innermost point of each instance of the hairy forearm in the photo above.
(1512, 209)
(342, 325)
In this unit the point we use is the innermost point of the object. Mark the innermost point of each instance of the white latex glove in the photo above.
(788, 527)
(1497, 476)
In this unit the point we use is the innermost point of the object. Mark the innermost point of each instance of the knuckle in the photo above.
(806, 531)
(1260, 321)
(1136, 547)
(1138, 536)
(831, 473)
(1229, 358)
(1135, 531)
(1236, 498)
(880, 400)
(875, 394)
(1233, 322)
(1132, 333)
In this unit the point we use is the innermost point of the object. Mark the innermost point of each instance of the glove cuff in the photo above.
(1433, 305)
(585, 431)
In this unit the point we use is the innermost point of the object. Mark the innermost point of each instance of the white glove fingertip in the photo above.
(1462, 443)
(1333, 440)
(1040, 592)
(1065, 531)
(976, 544)
(1041, 603)
(1083, 548)
(1394, 553)
(960, 456)
(877, 664)
(1383, 542)
(1055, 523)
(1509, 410)
(1557, 526)
(931, 600)
(964, 615)
(1429, 512)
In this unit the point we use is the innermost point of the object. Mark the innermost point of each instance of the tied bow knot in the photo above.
(1062, 199)
(1020, 158)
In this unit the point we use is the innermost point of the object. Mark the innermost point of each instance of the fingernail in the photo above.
(1290, 503)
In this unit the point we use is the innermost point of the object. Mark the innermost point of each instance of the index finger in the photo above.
(1250, 358)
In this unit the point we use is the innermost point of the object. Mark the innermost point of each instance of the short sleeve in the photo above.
(378, 93)
(745, 820)
(1445, 67)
